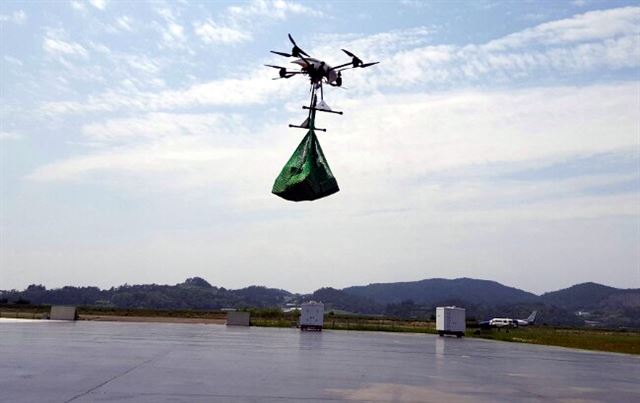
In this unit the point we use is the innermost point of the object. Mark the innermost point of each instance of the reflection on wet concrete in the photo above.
(129, 362)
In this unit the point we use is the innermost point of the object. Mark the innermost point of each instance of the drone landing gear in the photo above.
(321, 109)
(307, 125)
(303, 127)
(314, 106)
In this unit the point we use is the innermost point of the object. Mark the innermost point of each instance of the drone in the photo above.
(319, 73)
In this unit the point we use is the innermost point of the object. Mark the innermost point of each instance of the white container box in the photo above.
(62, 312)
(311, 315)
(235, 318)
(450, 320)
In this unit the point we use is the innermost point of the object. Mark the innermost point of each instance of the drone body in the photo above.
(307, 176)
(317, 70)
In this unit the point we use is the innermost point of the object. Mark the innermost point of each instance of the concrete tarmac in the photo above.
(43, 361)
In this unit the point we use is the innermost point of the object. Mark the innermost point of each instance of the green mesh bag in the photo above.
(306, 176)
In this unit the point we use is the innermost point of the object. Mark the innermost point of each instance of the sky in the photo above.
(496, 140)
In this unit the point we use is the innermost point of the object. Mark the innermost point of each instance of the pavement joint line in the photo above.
(113, 378)
(295, 398)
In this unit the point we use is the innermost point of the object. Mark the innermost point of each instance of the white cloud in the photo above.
(613, 46)
(77, 5)
(593, 25)
(587, 42)
(210, 32)
(416, 136)
(13, 60)
(278, 9)
(99, 4)
(18, 17)
(58, 46)
(196, 149)
(100, 48)
(160, 125)
(4, 135)
(413, 3)
(389, 152)
(142, 63)
(237, 23)
(255, 89)
(124, 23)
(172, 32)
(181, 157)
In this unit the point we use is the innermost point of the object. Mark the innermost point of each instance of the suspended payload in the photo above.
(307, 176)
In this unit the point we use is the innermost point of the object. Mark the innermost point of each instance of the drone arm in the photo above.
(362, 66)
(289, 74)
(346, 68)
(305, 60)
(342, 65)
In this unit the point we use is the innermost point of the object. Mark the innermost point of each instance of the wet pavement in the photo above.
(44, 361)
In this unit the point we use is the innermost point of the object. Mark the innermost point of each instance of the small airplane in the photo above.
(509, 322)
(529, 321)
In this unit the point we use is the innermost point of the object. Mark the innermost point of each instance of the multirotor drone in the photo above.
(318, 73)
(307, 176)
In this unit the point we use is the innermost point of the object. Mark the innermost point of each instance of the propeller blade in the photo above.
(355, 62)
(281, 53)
(275, 67)
(296, 51)
(349, 53)
(368, 64)
(291, 39)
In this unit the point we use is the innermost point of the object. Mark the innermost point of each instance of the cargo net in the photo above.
(306, 176)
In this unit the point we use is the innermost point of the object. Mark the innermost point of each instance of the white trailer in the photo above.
(450, 320)
(311, 315)
(62, 312)
(235, 318)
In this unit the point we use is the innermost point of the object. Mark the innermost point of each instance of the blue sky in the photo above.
(498, 140)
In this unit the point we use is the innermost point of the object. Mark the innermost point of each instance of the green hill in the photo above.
(432, 291)
(598, 305)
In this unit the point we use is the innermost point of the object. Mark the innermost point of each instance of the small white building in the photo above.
(450, 320)
(311, 315)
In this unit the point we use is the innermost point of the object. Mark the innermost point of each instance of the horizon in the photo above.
(139, 142)
(321, 287)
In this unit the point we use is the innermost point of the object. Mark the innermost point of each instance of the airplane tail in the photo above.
(532, 318)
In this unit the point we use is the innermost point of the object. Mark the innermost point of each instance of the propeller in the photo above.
(296, 51)
(281, 53)
(283, 70)
(356, 61)
(368, 64)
